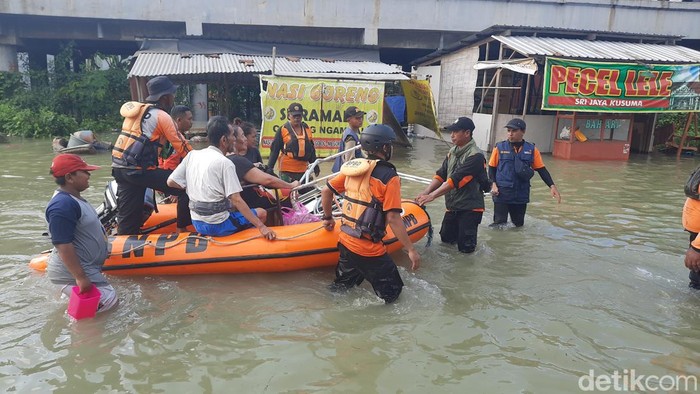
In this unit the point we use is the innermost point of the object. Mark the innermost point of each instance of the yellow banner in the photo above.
(324, 102)
(420, 106)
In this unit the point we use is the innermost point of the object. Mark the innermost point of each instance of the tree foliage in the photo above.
(65, 98)
(678, 120)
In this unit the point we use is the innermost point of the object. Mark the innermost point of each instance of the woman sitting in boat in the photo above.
(213, 186)
(250, 176)
(249, 149)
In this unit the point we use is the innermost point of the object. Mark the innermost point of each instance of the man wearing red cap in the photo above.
(79, 239)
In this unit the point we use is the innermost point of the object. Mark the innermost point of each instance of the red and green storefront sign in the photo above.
(572, 85)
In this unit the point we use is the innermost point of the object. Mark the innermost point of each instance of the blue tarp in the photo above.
(398, 107)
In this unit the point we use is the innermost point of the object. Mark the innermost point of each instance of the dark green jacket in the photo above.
(465, 169)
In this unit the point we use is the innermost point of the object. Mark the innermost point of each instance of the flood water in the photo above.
(594, 283)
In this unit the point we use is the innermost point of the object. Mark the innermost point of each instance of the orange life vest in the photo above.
(363, 216)
(133, 149)
(296, 147)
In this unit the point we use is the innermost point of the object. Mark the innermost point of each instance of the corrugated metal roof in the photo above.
(152, 64)
(601, 50)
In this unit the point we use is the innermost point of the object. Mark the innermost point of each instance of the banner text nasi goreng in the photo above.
(324, 102)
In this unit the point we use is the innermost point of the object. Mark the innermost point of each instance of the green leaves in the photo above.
(59, 101)
(30, 123)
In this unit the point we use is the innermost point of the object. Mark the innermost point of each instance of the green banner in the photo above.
(573, 85)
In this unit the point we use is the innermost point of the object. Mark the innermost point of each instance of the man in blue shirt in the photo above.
(351, 137)
(79, 239)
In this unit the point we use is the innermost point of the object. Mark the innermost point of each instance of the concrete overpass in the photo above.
(401, 30)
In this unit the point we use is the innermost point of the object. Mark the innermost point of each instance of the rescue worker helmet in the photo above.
(376, 136)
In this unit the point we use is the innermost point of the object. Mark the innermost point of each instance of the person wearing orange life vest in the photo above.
(147, 127)
(691, 224)
(294, 146)
(372, 199)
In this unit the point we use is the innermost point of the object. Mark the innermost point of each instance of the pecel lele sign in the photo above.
(620, 87)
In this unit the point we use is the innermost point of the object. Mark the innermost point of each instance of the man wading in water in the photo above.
(462, 179)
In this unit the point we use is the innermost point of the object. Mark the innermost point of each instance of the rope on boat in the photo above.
(430, 226)
(216, 241)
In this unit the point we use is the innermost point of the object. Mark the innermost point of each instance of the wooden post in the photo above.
(653, 133)
(691, 115)
(484, 92)
(274, 59)
(496, 96)
(527, 95)
(494, 110)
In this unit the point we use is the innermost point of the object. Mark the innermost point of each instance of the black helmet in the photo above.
(376, 136)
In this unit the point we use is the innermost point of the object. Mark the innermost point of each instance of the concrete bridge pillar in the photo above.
(200, 105)
(8, 58)
(371, 36)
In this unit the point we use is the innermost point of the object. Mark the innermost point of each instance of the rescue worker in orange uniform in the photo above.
(372, 199)
(147, 127)
(691, 224)
(294, 146)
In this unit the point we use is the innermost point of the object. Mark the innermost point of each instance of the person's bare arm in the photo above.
(327, 205)
(433, 191)
(174, 184)
(72, 262)
(692, 260)
(394, 220)
(349, 155)
(255, 175)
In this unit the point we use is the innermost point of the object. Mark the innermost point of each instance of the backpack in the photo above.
(691, 185)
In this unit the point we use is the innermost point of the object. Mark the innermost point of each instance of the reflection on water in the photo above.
(596, 282)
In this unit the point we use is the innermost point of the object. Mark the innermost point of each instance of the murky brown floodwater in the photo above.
(596, 283)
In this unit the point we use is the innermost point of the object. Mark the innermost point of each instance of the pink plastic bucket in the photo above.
(81, 306)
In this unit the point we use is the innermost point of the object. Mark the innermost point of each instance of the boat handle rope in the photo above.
(215, 241)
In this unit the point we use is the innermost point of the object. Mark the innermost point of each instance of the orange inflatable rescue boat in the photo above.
(297, 247)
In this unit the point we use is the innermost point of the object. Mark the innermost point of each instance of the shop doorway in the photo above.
(642, 127)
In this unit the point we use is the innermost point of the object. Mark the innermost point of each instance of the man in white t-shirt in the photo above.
(213, 187)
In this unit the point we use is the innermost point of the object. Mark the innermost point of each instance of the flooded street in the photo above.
(596, 283)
